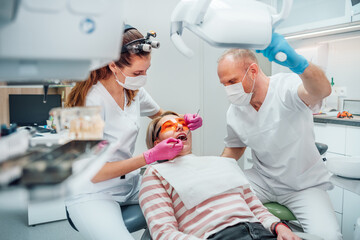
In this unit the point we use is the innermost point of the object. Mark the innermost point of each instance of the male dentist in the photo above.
(273, 116)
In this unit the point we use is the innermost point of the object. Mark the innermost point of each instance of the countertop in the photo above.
(323, 118)
(352, 185)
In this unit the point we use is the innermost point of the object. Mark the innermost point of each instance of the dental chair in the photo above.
(133, 218)
(282, 212)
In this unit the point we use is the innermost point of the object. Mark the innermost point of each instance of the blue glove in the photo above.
(294, 61)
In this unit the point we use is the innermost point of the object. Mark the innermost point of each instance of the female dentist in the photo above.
(117, 88)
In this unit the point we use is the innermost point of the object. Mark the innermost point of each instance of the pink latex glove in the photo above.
(193, 121)
(165, 150)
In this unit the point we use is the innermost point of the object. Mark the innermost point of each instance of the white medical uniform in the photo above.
(286, 160)
(97, 214)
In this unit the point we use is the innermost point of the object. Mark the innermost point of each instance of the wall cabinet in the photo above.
(307, 15)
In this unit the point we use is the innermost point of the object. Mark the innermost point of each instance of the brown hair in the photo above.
(150, 133)
(78, 93)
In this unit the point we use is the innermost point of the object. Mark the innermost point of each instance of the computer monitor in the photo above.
(30, 110)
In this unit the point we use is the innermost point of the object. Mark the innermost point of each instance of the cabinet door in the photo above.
(46, 211)
(339, 219)
(350, 214)
(307, 15)
(353, 141)
(336, 197)
(332, 135)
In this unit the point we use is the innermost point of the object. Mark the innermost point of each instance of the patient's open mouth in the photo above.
(182, 137)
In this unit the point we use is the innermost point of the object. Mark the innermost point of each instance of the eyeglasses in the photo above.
(171, 125)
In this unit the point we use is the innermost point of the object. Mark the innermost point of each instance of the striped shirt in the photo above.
(168, 218)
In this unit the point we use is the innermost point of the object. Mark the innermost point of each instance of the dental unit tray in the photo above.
(55, 166)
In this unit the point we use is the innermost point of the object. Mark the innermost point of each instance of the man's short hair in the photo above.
(245, 56)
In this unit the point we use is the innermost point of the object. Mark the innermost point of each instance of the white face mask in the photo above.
(132, 83)
(236, 93)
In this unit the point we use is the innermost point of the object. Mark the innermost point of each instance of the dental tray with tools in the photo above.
(55, 166)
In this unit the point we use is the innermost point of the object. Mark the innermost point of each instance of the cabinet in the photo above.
(342, 140)
(352, 141)
(350, 214)
(336, 196)
(332, 135)
(46, 211)
(307, 15)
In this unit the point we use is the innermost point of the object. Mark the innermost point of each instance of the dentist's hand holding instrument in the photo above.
(193, 121)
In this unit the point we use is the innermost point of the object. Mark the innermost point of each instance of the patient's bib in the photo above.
(197, 179)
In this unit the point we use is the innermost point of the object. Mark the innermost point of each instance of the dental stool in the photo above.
(282, 212)
(133, 218)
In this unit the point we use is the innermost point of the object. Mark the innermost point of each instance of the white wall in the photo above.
(173, 80)
(344, 65)
(343, 60)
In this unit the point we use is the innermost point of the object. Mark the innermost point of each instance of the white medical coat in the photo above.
(281, 137)
(121, 125)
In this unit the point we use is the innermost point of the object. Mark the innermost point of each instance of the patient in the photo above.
(193, 197)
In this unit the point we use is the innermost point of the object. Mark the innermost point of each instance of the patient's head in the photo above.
(169, 124)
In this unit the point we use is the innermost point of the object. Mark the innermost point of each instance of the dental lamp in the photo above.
(227, 23)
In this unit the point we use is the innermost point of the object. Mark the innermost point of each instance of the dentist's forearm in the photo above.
(119, 168)
(234, 153)
(315, 82)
